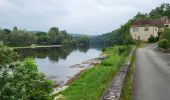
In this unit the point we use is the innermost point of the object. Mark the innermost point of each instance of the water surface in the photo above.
(56, 62)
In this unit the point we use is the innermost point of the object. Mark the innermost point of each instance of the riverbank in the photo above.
(83, 66)
(37, 46)
(92, 82)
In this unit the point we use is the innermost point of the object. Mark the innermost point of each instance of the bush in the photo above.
(164, 43)
(103, 49)
(21, 80)
(166, 34)
(152, 39)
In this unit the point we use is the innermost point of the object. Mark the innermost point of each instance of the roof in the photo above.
(148, 22)
(165, 19)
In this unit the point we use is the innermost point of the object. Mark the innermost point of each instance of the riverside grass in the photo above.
(91, 83)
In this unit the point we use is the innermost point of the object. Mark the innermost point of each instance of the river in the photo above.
(56, 63)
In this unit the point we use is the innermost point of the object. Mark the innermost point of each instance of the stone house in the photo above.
(142, 29)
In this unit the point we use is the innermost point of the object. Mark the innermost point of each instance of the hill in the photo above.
(122, 34)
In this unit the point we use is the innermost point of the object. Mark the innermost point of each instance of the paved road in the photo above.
(152, 76)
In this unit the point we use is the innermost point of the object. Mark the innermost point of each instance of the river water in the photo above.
(56, 63)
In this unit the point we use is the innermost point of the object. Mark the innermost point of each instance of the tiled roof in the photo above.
(148, 22)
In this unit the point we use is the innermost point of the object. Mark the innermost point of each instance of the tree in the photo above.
(7, 55)
(42, 38)
(21, 38)
(53, 33)
(21, 80)
(141, 16)
(7, 31)
(162, 10)
(82, 40)
(15, 28)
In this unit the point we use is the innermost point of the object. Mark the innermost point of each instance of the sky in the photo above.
(91, 17)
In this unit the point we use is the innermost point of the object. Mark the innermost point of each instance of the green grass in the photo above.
(91, 83)
(128, 84)
(127, 91)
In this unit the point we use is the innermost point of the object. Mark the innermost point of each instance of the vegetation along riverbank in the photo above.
(91, 83)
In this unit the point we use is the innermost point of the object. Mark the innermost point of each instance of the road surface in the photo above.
(152, 76)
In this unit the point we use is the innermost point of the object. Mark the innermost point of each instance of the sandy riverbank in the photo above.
(37, 46)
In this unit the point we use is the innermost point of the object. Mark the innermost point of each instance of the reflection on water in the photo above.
(56, 62)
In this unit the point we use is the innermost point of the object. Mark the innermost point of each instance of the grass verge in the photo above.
(91, 83)
(128, 84)
(127, 91)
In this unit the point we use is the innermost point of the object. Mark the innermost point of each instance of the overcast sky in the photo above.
(76, 16)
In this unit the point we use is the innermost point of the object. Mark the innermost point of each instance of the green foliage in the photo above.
(141, 16)
(103, 49)
(54, 36)
(152, 39)
(61, 37)
(162, 10)
(21, 80)
(21, 38)
(91, 83)
(42, 38)
(6, 55)
(127, 91)
(166, 34)
(83, 39)
(165, 38)
(53, 32)
(164, 43)
(117, 37)
(122, 34)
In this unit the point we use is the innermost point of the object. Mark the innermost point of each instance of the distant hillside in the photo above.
(77, 35)
(122, 34)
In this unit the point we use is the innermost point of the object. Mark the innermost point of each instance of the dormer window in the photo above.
(135, 29)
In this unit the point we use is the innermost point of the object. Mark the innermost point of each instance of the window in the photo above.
(146, 29)
(155, 29)
(138, 37)
(135, 29)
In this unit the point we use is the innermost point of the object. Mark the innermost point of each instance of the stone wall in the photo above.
(113, 92)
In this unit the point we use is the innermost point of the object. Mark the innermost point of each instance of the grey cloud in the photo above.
(76, 16)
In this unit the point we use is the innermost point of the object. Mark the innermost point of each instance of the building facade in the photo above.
(142, 29)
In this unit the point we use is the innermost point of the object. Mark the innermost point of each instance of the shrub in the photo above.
(166, 34)
(152, 39)
(21, 80)
(103, 49)
(164, 43)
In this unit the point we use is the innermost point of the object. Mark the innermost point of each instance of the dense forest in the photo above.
(122, 35)
(54, 36)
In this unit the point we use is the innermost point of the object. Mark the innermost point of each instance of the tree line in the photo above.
(18, 37)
